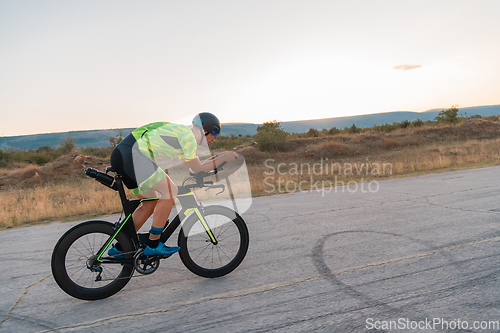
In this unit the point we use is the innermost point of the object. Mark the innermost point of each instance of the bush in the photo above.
(40, 158)
(270, 136)
(405, 124)
(448, 116)
(98, 152)
(397, 125)
(115, 140)
(417, 122)
(226, 143)
(67, 145)
(313, 133)
(4, 158)
(353, 129)
(385, 127)
(333, 131)
(492, 118)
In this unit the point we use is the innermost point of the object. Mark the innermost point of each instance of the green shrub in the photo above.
(448, 116)
(313, 133)
(405, 124)
(270, 136)
(396, 125)
(353, 129)
(115, 140)
(39, 158)
(67, 145)
(4, 158)
(417, 122)
(224, 142)
(492, 118)
(333, 131)
(98, 152)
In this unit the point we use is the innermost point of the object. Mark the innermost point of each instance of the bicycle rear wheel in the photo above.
(204, 258)
(74, 264)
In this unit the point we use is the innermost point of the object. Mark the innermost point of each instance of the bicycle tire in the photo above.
(200, 255)
(73, 250)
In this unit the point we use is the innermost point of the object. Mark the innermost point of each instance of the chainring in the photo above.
(145, 264)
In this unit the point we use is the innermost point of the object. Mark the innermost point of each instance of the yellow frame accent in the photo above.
(203, 222)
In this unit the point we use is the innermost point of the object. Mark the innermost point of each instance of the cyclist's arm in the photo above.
(196, 165)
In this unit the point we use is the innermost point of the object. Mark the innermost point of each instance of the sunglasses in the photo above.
(215, 132)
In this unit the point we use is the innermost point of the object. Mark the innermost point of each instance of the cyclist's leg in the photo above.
(168, 191)
(144, 211)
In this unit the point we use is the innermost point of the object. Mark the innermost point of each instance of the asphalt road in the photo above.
(419, 249)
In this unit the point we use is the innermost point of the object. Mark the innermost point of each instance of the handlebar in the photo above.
(202, 174)
(199, 177)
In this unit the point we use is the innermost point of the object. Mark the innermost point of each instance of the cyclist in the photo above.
(134, 159)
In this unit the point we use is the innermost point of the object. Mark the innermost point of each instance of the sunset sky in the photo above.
(78, 65)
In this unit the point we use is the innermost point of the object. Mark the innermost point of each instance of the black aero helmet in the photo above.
(208, 122)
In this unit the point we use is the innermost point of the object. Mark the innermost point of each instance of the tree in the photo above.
(417, 122)
(67, 145)
(353, 129)
(115, 140)
(448, 116)
(313, 133)
(333, 131)
(270, 136)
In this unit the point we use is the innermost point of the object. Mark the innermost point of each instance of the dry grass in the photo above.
(378, 165)
(53, 201)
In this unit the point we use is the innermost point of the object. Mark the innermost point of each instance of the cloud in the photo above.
(406, 67)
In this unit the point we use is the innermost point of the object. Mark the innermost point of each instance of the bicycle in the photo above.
(213, 240)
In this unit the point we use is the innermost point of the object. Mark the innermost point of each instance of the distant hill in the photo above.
(82, 139)
(369, 120)
(100, 138)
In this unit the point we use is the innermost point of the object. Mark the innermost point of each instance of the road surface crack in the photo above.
(21, 297)
(428, 197)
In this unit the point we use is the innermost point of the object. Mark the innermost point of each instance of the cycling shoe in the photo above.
(161, 250)
(114, 252)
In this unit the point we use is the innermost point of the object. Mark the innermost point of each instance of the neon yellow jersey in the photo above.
(166, 139)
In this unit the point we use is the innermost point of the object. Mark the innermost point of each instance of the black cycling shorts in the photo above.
(139, 172)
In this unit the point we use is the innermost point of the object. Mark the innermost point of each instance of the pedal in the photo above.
(165, 256)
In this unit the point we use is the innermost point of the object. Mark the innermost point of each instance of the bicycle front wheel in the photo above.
(74, 264)
(206, 259)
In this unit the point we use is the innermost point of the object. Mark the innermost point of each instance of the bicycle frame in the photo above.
(188, 204)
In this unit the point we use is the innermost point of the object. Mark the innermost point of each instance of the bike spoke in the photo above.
(78, 250)
(222, 250)
(228, 236)
(76, 262)
(201, 252)
(206, 254)
(218, 254)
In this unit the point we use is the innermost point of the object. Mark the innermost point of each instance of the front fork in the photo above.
(206, 226)
(176, 222)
